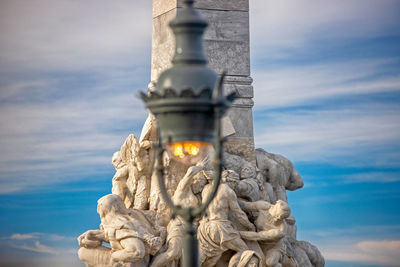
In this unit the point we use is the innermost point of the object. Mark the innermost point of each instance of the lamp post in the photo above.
(188, 104)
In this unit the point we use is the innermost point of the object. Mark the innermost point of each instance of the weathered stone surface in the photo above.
(226, 25)
(242, 118)
(163, 44)
(229, 56)
(226, 42)
(162, 6)
(242, 146)
(241, 85)
(240, 5)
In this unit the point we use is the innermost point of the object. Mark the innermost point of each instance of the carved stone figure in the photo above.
(120, 179)
(136, 240)
(185, 197)
(132, 178)
(308, 255)
(271, 228)
(279, 172)
(131, 235)
(216, 233)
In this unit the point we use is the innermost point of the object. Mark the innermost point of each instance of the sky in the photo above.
(327, 96)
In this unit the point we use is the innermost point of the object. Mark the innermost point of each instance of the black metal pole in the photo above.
(190, 252)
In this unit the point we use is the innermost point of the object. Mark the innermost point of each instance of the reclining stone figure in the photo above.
(132, 237)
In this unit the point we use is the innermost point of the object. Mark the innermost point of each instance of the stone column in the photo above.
(227, 48)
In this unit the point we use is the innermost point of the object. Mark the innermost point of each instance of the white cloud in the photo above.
(347, 134)
(101, 49)
(40, 243)
(288, 86)
(37, 247)
(22, 236)
(382, 252)
(368, 244)
(378, 177)
(42, 236)
(71, 35)
(57, 139)
(278, 25)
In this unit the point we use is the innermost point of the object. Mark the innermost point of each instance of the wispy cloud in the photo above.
(294, 85)
(22, 236)
(382, 252)
(377, 177)
(68, 84)
(39, 243)
(71, 36)
(306, 135)
(351, 234)
(279, 25)
(37, 247)
(367, 244)
(47, 139)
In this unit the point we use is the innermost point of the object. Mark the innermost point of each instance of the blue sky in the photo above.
(327, 96)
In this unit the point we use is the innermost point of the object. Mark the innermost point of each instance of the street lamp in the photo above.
(188, 104)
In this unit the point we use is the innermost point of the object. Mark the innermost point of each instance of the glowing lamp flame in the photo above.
(189, 151)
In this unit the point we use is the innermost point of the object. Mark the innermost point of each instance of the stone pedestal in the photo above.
(227, 48)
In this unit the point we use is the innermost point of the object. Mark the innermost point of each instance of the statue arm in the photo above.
(187, 179)
(92, 238)
(133, 250)
(97, 234)
(238, 212)
(269, 235)
(295, 181)
(254, 206)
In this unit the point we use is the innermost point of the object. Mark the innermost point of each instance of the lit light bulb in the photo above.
(188, 152)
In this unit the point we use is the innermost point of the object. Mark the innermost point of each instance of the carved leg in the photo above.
(95, 257)
(210, 262)
(273, 257)
(173, 252)
(234, 260)
(237, 245)
(133, 251)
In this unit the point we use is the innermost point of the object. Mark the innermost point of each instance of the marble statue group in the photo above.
(249, 223)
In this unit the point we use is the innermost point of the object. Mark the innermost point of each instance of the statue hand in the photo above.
(89, 240)
(252, 228)
(194, 169)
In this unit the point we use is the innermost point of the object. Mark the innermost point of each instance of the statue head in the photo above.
(116, 159)
(143, 159)
(110, 204)
(231, 178)
(209, 175)
(248, 171)
(280, 210)
(199, 181)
